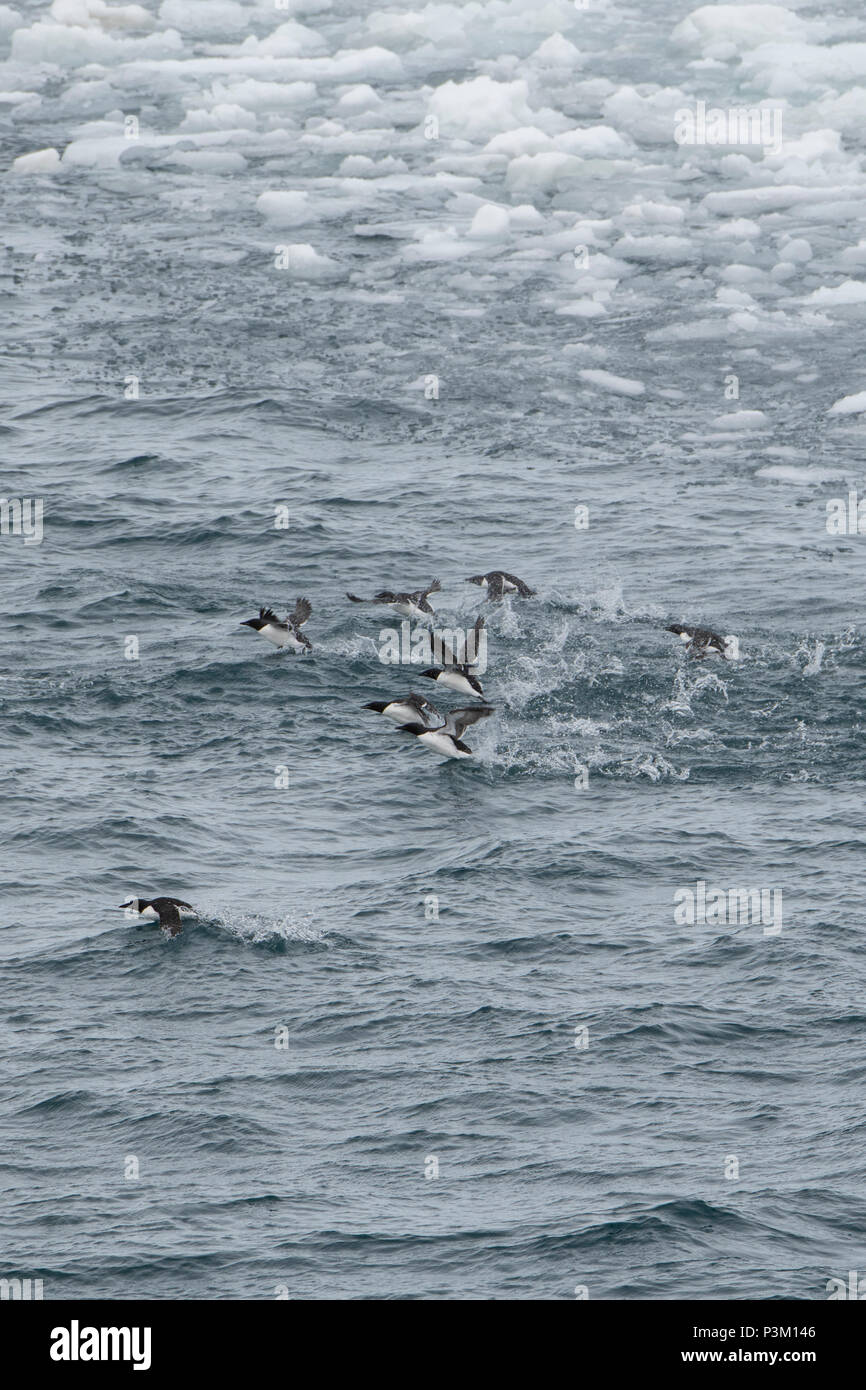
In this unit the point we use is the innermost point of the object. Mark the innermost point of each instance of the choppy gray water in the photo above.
(428, 281)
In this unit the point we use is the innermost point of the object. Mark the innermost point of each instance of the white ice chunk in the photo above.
(289, 209)
(607, 381)
(266, 96)
(39, 162)
(849, 292)
(481, 107)
(360, 98)
(205, 19)
(96, 14)
(557, 52)
(725, 31)
(850, 405)
(740, 420)
(290, 40)
(305, 263)
(797, 249)
(490, 223)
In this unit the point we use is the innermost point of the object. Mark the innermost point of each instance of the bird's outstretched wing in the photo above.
(385, 596)
(456, 720)
(268, 615)
(419, 596)
(169, 917)
(303, 609)
(523, 589)
(429, 713)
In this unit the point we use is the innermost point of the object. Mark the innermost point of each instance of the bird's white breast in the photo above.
(442, 743)
(455, 681)
(401, 714)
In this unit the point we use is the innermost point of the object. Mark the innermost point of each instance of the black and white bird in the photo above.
(459, 675)
(411, 708)
(167, 911)
(700, 641)
(412, 605)
(498, 583)
(284, 634)
(446, 738)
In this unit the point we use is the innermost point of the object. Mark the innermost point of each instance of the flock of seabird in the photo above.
(441, 733)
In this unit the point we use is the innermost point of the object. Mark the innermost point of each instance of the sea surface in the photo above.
(439, 1030)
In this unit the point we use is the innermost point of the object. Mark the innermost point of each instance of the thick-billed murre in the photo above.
(166, 911)
(700, 641)
(499, 582)
(284, 634)
(411, 605)
(446, 738)
(411, 707)
(459, 675)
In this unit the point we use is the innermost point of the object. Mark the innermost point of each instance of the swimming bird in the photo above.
(700, 641)
(412, 605)
(459, 675)
(166, 911)
(284, 634)
(411, 707)
(498, 583)
(445, 739)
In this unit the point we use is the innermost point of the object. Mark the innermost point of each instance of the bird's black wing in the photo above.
(303, 609)
(427, 711)
(523, 589)
(456, 720)
(169, 917)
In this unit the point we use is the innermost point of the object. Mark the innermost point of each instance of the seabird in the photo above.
(498, 583)
(412, 605)
(166, 911)
(411, 707)
(287, 634)
(700, 640)
(446, 738)
(458, 675)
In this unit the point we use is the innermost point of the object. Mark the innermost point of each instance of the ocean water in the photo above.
(439, 1030)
